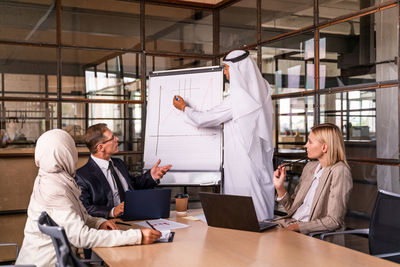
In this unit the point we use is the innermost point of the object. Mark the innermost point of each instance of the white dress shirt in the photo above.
(103, 164)
(303, 212)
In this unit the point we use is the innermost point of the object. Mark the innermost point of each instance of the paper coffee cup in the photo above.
(181, 201)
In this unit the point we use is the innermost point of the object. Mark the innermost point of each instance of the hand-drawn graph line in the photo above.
(181, 135)
(208, 91)
(187, 93)
(182, 92)
(158, 124)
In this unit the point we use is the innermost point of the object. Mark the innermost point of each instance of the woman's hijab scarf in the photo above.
(252, 107)
(56, 156)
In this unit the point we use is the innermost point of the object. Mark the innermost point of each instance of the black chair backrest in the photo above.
(384, 229)
(65, 256)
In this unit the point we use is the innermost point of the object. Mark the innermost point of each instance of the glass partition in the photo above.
(100, 75)
(354, 112)
(156, 63)
(111, 24)
(349, 53)
(365, 117)
(279, 17)
(24, 122)
(38, 23)
(330, 10)
(176, 29)
(122, 119)
(288, 64)
(27, 70)
(295, 117)
(238, 25)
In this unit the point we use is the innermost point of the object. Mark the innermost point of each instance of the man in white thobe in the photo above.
(247, 115)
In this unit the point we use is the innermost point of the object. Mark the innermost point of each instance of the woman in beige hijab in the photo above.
(56, 192)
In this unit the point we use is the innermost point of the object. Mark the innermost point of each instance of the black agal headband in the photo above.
(236, 59)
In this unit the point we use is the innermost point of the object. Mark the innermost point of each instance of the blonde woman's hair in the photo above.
(331, 135)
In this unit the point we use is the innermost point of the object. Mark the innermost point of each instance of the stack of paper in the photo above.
(163, 224)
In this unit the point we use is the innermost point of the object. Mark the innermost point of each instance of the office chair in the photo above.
(384, 229)
(65, 256)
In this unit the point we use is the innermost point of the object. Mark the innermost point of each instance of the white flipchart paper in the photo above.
(172, 140)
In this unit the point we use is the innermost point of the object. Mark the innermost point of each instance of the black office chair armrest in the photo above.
(313, 234)
(364, 231)
(387, 255)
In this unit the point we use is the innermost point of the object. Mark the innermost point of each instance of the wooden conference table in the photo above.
(200, 245)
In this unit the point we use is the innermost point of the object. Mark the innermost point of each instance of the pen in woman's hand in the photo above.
(152, 227)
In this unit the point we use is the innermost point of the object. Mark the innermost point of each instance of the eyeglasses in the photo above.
(111, 139)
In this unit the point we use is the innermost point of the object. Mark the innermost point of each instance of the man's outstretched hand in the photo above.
(157, 172)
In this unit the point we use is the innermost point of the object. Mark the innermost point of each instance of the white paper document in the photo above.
(202, 217)
(163, 224)
(165, 236)
(197, 178)
(168, 137)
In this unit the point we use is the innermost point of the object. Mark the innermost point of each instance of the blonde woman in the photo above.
(319, 202)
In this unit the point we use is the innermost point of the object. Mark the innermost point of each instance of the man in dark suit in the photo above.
(104, 180)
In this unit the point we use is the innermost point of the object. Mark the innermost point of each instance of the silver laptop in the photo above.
(230, 211)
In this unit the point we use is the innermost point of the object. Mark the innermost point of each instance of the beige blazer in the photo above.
(330, 200)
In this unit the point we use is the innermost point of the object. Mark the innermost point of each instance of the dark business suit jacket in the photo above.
(96, 192)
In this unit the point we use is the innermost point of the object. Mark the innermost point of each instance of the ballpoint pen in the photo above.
(152, 227)
(118, 222)
(290, 163)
